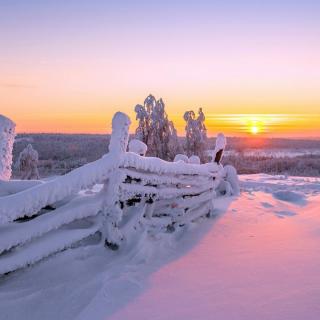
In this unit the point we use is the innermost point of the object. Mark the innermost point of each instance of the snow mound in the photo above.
(231, 176)
(290, 196)
(181, 157)
(138, 147)
(194, 160)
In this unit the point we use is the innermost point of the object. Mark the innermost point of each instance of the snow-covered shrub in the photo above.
(181, 157)
(7, 134)
(196, 134)
(155, 129)
(194, 160)
(229, 184)
(28, 163)
(231, 176)
(224, 188)
(138, 147)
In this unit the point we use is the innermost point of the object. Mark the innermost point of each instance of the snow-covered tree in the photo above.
(28, 163)
(156, 130)
(7, 134)
(196, 134)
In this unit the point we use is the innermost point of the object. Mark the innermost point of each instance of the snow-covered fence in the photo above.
(177, 190)
(34, 222)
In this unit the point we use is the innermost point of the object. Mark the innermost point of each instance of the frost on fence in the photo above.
(112, 214)
(120, 133)
(7, 134)
(221, 143)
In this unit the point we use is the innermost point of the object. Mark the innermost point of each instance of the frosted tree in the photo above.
(155, 129)
(196, 134)
(7, 134)
(28, 163)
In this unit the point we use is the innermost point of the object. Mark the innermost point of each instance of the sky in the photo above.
(253, 66)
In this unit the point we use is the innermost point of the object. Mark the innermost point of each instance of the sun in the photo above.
(254, 129)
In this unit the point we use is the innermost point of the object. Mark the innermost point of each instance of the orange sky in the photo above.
(68, 67)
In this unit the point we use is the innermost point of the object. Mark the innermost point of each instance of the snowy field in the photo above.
(258, 258)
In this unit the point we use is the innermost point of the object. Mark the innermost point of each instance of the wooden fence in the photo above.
(34, 221)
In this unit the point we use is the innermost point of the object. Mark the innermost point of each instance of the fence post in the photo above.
(7, 134)
(112, 213)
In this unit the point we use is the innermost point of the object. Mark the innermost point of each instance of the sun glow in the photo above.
(271, 125)
(254, 129)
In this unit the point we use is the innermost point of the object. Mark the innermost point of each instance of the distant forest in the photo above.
(61, 153)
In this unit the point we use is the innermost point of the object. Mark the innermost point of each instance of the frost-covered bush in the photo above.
(28, 163)
(7, 134)
(196, 134)
(156, 130)
(231, 176)
(229, 184)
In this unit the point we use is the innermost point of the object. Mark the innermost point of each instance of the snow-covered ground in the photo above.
(258, 258)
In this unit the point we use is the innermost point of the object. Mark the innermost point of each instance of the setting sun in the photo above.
(254, 129)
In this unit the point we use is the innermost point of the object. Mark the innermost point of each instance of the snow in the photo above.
(156, 130)
(258, 258)
(181, 157)
(14, 186)
(196, 133)
(138, 147)
(290, 196)
(33, 199)
(50, 243)
(18, 233)
(220, 142)
(194, 159)
(7, 134)
(120, 133)
(159, 166)
(231, 176)
(220, 145)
